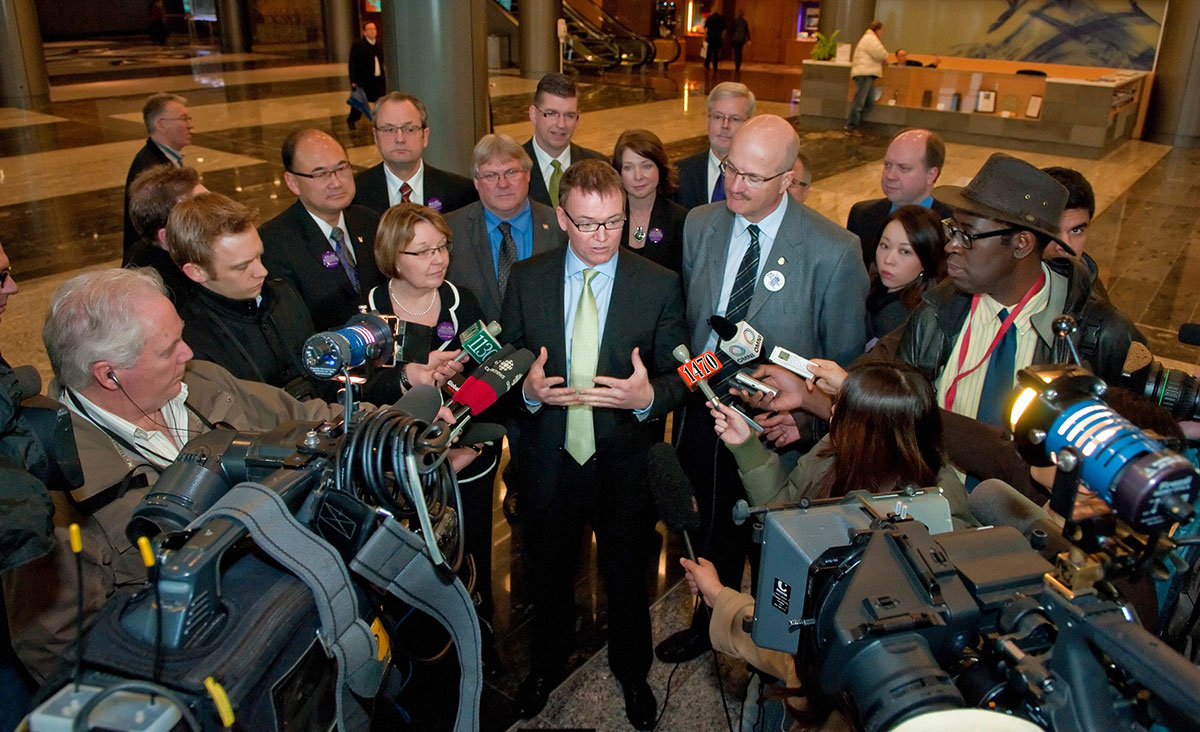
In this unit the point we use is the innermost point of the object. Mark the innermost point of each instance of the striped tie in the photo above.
(747, 277)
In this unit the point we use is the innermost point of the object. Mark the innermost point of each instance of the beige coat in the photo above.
(869, 56)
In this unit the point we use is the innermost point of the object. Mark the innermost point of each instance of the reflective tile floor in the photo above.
(61, 171)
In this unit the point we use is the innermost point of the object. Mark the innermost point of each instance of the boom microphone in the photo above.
(421, 402)
(1189, 333)
(740, 341)
(673, 493)
(997, 503)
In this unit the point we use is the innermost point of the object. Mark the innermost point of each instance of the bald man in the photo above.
(801, 285)
(911, 166)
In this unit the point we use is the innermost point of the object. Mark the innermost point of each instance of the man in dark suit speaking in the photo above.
(554, 115)
(603, 325)
(323, 245)
(911, 166)
(401, 127)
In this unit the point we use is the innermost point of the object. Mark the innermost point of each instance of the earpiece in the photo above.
(112, 376)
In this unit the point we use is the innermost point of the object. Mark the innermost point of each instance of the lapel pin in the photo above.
(360, 242)
(774, 280)
(782, 261)
(546, 226)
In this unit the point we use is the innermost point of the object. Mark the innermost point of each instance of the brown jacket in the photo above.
(41, 595)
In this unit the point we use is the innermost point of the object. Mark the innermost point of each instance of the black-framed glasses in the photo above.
(493, 176)
(325, 175)
(555, 115)
(753, 180)
(407, 130)
(593, 226)
(965, 240)
(425, 254)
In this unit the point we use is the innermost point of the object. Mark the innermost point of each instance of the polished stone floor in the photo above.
(61, 171)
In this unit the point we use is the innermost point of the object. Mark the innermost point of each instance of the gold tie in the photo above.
(585, 352)
(555, 177)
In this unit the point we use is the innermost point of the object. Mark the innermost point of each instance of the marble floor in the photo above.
(61, 171)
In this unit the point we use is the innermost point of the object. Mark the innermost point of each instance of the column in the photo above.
(23, 81)
(851, 17)
(340, 29)
(231, 18)
(437, 51)
(1174, 114)
(539, 36)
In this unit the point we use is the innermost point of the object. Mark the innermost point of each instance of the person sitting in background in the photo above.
(152, 195)
(884, 434)
(909, 259)
(654, 223)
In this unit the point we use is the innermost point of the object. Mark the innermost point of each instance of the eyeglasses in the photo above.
(965, 240)
(752, 180)
(721, 119)
(426, 254)
(491, 177)
(4, 275)
(324, 176)
(184, 118)
(406, 130)
(592, 226)
(555, 115)
(799, 184)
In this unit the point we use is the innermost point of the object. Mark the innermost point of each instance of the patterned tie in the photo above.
(508, 255)
(405, 193)
(337, 238)
(739, 302)
(718, 191)
(555, 177)
(585, 352)
(998, 380)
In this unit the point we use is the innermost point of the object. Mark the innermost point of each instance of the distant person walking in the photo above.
(865, 67)
(739, 36)
(366, 69)
(714, 31)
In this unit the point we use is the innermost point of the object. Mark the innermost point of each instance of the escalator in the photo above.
(596, 41)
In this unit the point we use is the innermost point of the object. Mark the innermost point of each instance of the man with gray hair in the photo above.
(503, 227)
(169, 127)
(123, 370)
(730, 104)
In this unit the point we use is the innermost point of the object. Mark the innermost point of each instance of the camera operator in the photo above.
(123, 369)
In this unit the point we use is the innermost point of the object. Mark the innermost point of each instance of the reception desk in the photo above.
(1071, 110)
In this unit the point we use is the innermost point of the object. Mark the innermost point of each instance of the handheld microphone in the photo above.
(673, 493)
(421, 402)
(493, 379)
(479, 341)
(695, 373)
(1189, 333)
(997, 503)
(740, 341)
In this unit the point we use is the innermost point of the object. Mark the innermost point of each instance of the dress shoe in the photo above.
(682, 646)
(640, 705)
(533, 693)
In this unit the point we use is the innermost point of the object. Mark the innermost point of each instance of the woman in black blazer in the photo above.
(654, 223)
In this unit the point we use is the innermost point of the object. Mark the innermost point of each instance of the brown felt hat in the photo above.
(1011, 190)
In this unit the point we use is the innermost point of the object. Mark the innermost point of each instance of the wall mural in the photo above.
(1115, 33)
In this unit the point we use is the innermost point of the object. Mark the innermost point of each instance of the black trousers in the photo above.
(714, 55)
(621, 515)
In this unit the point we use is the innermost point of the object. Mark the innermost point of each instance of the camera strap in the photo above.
(345, 636)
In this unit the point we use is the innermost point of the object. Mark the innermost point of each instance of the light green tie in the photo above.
(585, 352)
(555, 177)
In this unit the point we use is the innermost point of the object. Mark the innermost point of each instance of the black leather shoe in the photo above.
(640, 705)
(533, 693)
(682, 646)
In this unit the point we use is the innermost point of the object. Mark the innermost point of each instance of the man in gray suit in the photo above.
(792, 274)
(503, 227)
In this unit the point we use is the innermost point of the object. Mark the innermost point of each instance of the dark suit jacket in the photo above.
(693, 180)
(149, 156)
(451, 191)
(667, 217)
(867, 219)
(293, 250)
(537, 183)
(362, 67)
(646, 311)
(471, 263)
(819, 312)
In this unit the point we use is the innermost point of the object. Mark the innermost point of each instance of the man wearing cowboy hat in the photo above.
(992, 315)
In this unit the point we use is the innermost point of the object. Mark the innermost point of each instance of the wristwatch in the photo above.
(404, 382)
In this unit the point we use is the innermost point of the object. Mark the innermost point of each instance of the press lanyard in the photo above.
(966, 342)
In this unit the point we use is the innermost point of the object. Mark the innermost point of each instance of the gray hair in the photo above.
(96, 316)
(156, 106)
(498, 147)
(731, 90)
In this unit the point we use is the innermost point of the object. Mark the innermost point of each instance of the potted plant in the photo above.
(826, 48)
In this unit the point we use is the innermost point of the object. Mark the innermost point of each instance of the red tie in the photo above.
(405, 193)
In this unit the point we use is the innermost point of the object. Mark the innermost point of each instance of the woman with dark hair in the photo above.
(654, 223)
(909, 259)
(884, 433)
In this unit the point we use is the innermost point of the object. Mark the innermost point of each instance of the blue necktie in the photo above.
(718, 191)
(338, 240)
(998, 380)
